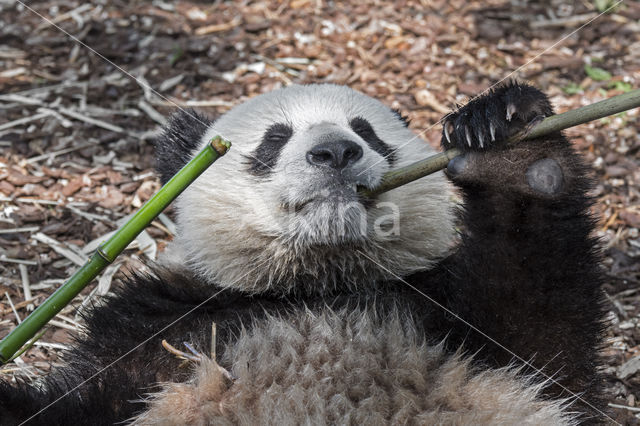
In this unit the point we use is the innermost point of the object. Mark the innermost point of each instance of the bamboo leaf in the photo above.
(597, 74)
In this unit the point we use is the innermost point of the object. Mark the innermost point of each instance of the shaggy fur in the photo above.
(347, 368)
(303, 310)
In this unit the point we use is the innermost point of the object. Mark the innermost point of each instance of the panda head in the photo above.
(281, 210)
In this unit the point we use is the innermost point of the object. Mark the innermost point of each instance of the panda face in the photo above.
(309, 150)
(289, 185)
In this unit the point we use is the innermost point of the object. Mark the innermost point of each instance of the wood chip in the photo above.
(629, 368)
(209, 29)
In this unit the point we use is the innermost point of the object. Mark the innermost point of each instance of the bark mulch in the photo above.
(76, 154)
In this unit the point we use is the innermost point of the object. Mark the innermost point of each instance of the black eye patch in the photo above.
(363, 129)
(265, 156)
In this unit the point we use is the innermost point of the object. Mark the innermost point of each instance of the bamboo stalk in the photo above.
(108, 251)
(555, 123)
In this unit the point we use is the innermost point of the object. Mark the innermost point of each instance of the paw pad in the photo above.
(545, 176)
(456, 165)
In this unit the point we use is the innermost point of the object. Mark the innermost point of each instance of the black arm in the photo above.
(526, 271)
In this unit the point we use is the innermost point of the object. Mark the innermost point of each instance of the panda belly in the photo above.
(339, 367)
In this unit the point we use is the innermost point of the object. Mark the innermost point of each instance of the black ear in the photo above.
(404, 118)
(179, 140)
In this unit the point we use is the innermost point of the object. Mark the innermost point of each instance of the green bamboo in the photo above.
(554, 123)
(108, 251)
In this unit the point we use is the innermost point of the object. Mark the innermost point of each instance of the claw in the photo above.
(492, 130)
(466, 133)
(511, 109)
(481, 139)
(447, 131)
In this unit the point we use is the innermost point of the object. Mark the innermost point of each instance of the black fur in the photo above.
(266, 155)
(527, 268)
(179, 141)
(363, 129)
(525, 273)
(402, 117)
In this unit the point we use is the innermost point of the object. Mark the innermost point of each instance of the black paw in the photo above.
(490, 119)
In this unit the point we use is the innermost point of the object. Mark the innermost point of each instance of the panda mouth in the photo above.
(336, 197)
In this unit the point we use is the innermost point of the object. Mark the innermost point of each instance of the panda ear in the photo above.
(404, 118)
(179, 140)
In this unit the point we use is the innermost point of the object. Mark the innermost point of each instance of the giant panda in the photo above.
(332, 308)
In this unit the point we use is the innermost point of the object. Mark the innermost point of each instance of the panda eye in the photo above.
(362, 128)
(278, 133)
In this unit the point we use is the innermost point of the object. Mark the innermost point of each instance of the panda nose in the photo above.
(336, 154)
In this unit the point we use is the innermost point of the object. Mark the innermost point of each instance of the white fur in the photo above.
(240, 230)
(349, 368)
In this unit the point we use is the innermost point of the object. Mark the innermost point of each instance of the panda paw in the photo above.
(490, 119)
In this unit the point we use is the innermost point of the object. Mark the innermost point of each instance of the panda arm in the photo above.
(526, 270)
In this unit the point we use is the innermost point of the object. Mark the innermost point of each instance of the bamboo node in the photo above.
(220, 145)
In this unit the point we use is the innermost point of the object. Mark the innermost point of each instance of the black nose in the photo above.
(336, 154)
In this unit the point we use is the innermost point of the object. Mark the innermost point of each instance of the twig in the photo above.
(30, 201)
(151, 112)
(24, 120)
(74, 256)
(24, 275)
(69, 320)
(4, 258)
(19, 305)
(193, 104)
(104, 282)
(58, 346)
(28, 345)
(171, 226)
(161, 227)
(208, 29)
(64, 325)
(569, 21)
(148, 92)
(22, 229)
(91, 216)
(95, 122)
(15, 97)
(624, 407)
(62, 110)
(13, 308)
(170, 83)
(63, 121)
(213, 341)
(64, 16)
(179, 353)
(45, 89)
